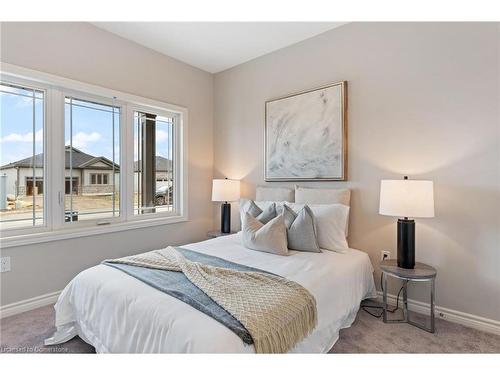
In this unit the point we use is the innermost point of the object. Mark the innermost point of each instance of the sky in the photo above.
(92, 130)
(16, 130)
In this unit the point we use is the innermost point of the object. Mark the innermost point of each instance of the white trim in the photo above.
(58, 156)
(70, 92)
(180, 145)
(465, 319)
(66, 84)
(46, 150)
(29, 304)
(84, 231)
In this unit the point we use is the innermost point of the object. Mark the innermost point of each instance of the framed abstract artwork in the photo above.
(306, 135)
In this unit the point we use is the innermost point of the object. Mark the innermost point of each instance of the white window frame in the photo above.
(47, 146)
(56, 89)
(177, 198)
(103, 100)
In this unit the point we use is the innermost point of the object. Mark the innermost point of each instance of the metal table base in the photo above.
(406, 312)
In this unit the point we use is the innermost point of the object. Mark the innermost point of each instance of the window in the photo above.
(99, 178)
(106, 158)
(70, 185)
(22, 161)
(153, 163)
(34, 186)
(92, 133)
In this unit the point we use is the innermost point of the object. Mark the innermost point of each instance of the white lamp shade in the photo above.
(407, 198)
(224, 190)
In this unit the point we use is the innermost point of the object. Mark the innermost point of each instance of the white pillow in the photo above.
(324, 196)
(269, 237)
(275, 194)
(331, 222)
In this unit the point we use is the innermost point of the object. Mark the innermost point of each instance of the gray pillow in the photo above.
(270, 237)
(263, 216)
(301, 231)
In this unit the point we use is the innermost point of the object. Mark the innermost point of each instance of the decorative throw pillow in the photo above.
(264, 216)
(331, 221)
(301, 230)
(270, 237)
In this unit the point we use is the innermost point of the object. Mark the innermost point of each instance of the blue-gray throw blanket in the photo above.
(177, 285)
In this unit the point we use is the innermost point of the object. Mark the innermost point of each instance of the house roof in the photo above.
(79, 159)
(162, 164)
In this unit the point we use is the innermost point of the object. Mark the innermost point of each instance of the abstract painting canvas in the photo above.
(306, 135)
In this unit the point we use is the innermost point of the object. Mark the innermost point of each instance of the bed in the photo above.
(117, 313)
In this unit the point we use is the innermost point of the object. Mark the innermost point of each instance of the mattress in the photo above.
(116, 313)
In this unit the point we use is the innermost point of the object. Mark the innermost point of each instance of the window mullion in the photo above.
(33, 165)
(56, 157)
(179, 171)
(181, 164)
(113, 160)
(127, 164)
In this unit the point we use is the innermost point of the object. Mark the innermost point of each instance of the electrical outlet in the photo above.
(385, 255)
(4, 264)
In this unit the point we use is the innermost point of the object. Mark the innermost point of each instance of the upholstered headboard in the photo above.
(322, 196)
(265, 193)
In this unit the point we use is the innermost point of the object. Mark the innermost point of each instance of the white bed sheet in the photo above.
(117, 313)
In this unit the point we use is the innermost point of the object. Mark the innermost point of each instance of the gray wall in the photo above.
(85, 53)
(423, 101)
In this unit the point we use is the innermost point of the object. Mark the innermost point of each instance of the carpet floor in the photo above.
(25, 333)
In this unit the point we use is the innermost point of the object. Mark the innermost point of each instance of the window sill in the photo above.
(64, 234)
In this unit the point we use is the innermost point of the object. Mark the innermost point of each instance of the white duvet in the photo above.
(116, 313)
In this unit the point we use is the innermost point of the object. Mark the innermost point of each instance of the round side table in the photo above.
(421, 272)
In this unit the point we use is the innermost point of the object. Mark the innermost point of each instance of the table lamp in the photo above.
(406, 199)
(225, 190)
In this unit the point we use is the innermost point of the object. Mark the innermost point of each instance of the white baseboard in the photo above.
(465, 319)
(28, 304)
(468, 320)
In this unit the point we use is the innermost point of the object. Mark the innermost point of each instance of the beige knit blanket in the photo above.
(278, 313)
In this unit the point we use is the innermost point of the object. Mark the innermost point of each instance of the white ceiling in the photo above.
(216, 46)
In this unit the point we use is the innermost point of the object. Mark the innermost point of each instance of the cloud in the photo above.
(82, 139)
(23, 101)
(26, 137)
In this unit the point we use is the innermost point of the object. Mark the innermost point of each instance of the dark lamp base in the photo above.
(406, 243)
(225, 218)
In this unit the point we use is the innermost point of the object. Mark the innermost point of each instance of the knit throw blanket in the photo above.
(278, 313)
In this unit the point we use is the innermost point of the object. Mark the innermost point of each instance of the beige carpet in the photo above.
(24, 333)
(371, 335)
